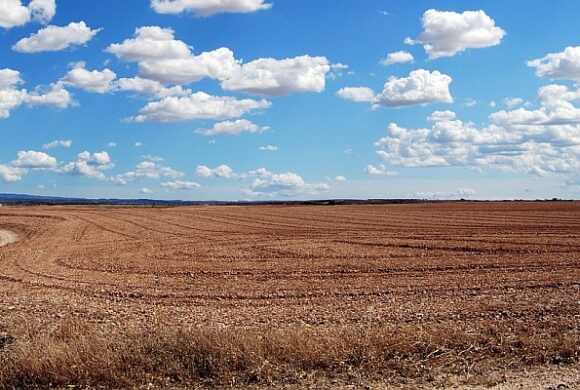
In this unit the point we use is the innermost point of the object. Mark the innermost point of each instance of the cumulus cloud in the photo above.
(562, 65)
(57, 96)
(216, 64)
(13, 13)
(150, 43)
(340, 178)
(90, 80)
(181, 185)
(268, 148)
(441, 116)
(513, 102)
(34, 160)
(541, 142)
(233, 128)
(208, 7)
(379, 170)
(42, 11)
(398, 57)
(557, 108)
(270, 77)
(147, 170)
(25, 162)
(198, 105)
(55, 38)
(58, 144)
(223, 171)
(89, 165)
(12, 96)
(262, 182)
(448, 33)
(145, 191)
(150, 87)
(357, 94)
(420, 87)
(163, 58)
(10, 174)
(282, 184)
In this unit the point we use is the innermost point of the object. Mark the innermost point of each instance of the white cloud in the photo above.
(150, 43)
(448, 33)
(11, 97)
(513, 102)
(379, 170)
(10, 174)
(562, 65)
(91, 81)
(90, 165)
(13, 13)
(337, 70)
(218, 64)
(34, 160)
(198, 105)
(357, 94)
(271, 77)
(58, 144)
(541, 142)
(9, 78)
(233, 128)
(42, 11)
(208, 7)
(181, 185)
(164, 59)
(282, 184)
(55, 38)
(557, 108)
(24, 163)
(420, 87)
(145, 191)
(147, 170)
(340, 178)
(150, 87)
(268, 148)
(57, 96)
(222, 171)
(398, 57)
(112, 145)
(441, 116)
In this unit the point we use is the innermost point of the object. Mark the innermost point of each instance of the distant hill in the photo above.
(23, 199)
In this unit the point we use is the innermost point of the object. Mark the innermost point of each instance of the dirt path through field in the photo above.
(7, 237)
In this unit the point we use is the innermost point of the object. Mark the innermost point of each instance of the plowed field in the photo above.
(466, 266)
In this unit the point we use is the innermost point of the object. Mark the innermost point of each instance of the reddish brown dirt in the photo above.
(252, 266)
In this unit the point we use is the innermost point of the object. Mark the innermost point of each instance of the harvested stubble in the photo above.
(125, 297)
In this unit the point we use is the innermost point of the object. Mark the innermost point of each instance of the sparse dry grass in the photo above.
(74, 352)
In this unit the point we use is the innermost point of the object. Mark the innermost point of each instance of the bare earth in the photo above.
(502, 271)
(7, 237)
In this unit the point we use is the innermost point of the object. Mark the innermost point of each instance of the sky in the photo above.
(290, 99)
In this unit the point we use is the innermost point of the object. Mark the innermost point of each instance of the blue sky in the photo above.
(280, 99)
